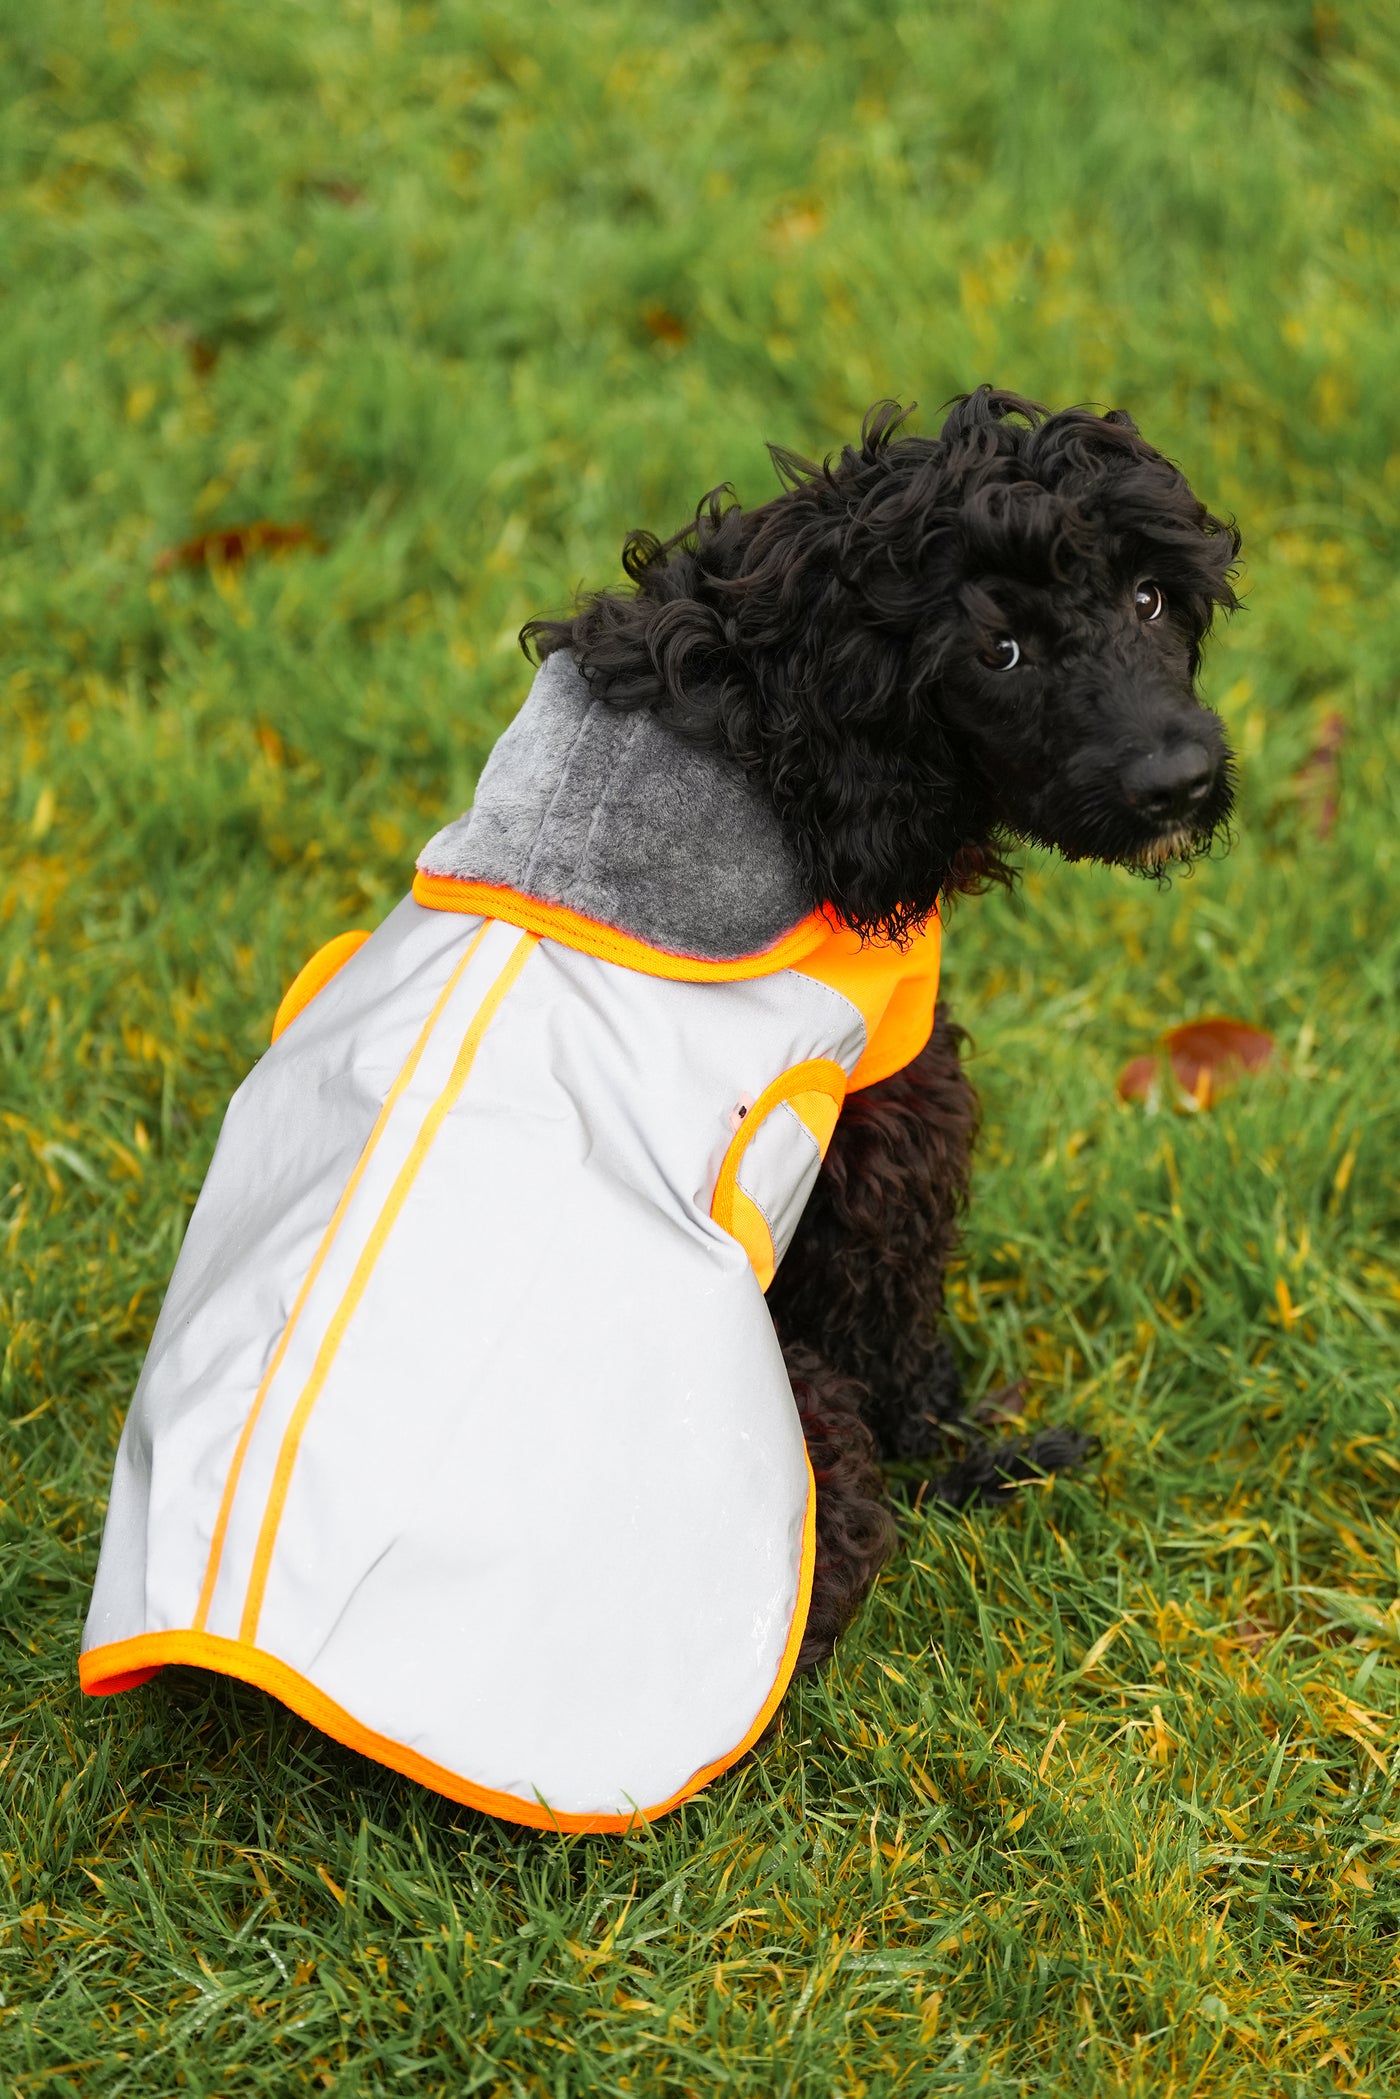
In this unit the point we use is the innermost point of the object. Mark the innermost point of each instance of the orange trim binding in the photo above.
(893, 987)
(359, 1280)
(819, 1075)
(313, 976)
(590, 937)
(819, 1113)
(750, 1227)
(104, 1670)
(411, 1062)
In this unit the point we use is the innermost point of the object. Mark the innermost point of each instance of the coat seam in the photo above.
(842, 1000)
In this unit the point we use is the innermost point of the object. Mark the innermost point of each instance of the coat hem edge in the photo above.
(123, 1664)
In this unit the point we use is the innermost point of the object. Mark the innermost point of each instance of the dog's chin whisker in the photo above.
(1180, 844)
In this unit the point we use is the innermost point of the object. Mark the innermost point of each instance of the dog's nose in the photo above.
(1170, 783)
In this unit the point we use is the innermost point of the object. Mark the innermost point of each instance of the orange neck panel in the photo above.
(894, 988)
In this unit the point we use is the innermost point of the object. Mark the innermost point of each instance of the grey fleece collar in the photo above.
(611, 815)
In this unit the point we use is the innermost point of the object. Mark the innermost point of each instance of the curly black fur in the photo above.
(833, 642)
(926, 650)
(863, 1280)
(855, 1530)
(857, 1303)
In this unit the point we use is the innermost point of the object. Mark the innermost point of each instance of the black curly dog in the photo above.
(926, 651)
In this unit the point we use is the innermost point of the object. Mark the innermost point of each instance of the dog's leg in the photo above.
(855, 1530)
(862, 1283)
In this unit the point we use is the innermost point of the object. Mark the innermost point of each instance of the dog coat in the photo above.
(464, 1430)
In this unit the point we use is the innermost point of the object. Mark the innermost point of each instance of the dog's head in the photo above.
(929, 648)
(1079, 579)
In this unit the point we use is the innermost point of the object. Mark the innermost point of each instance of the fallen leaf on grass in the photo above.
(1204, 1058)
(1318, 778)
(1211, 1054)
(203, 355)
(1140, 1079)
(1007, 1403)
(236, 543)
(334, 187)
(665, 326)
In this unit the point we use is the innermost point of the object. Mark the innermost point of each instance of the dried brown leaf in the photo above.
(334, 187)
(1140, 1079)
(665, 326)
(1209, 1055)
(1205, 1058)
(1318, 779)
(237, 543)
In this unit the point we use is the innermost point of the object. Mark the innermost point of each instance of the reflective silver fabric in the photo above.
(527, 1482)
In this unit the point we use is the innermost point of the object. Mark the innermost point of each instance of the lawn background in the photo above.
(1099, 1796)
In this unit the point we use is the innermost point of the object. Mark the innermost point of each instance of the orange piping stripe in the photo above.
(818, 1075)
(216, 1545)
(125, 1662)
(590, 937)
(364, 1268)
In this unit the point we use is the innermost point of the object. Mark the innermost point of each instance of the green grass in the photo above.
(1100, 1794)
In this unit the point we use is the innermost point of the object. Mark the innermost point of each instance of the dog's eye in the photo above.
(1003, 655)
(1148, 601)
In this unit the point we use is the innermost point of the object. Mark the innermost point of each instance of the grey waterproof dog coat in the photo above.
(464, 1430)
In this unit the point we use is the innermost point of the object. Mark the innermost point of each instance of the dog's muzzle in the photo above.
(1177, 793)
(1168, 788)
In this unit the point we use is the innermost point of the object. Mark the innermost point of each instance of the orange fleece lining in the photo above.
(235, 1471)
(126, 1663)
(364, 1269)
(589, 936)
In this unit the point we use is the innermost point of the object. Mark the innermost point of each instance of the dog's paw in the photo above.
(991, 1471)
